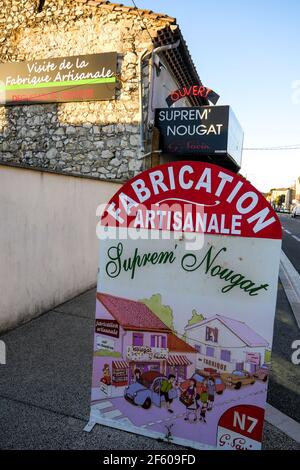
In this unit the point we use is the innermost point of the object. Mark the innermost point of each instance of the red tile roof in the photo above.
(176, 344)
(132, 315)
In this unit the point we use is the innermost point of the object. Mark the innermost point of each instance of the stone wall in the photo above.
(99, 139)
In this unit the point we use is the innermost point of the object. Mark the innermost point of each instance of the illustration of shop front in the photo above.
(142, 342)
(181, 359)
(225, 345)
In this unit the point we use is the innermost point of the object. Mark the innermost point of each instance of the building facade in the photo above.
(225, 344)
(81, 145)
(287, 196)
(108, 139)
(131, 340)
(297, 190)
(181, 358)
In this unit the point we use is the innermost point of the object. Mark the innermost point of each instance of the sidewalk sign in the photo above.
(186, 296)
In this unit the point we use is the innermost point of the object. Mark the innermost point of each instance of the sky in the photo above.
(248, 52)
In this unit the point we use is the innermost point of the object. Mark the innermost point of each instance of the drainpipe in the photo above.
(141, 58)
(157, 50)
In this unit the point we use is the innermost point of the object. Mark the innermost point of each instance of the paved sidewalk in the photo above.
(45, 387)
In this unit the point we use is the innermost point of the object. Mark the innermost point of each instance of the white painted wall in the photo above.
(163, 85)
(49, 248)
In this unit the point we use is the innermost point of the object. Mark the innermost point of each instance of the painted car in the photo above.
(199, 377)
(220, 385)
(147, 390)
(262, 373)
(237, 379)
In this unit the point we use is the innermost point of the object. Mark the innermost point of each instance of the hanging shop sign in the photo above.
(193, 90)
(146, 353)
(189, 259)
(211, 131)
(107, 327)
(253, 358)
(74, 78)
(104, 343)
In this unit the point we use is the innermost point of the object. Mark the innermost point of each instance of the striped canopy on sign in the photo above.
(120, 365)
(177, 360)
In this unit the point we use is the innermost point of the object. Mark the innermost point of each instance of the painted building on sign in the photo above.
(181, 358)
(226, 344)
(132, 340)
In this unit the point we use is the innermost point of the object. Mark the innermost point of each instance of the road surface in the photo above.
(291, 238)
(284, 384)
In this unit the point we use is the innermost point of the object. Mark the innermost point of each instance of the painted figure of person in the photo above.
(137, 375)
(211, 389)
(165, 387)
(106, 378)
(191, 398)
(203, 412)
(204, 392)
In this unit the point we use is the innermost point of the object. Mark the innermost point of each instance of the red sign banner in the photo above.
(193, 197)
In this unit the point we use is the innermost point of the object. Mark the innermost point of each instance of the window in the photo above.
(210, 351)
(198, 348)
(225, 355)
(211, 334)
(138, 339)
(157, 341)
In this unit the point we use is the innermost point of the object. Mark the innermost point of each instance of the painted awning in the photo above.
(177, 360)
(120, 365)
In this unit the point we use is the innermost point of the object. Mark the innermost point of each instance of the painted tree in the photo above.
(196, 317)
(163, 312)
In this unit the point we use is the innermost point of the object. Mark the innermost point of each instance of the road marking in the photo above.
(125, 421)
(287, 231)
(102, 405)
(112, 414)
(296, 238)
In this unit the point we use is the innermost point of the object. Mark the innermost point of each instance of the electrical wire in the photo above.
(286, 147)
(142, 20)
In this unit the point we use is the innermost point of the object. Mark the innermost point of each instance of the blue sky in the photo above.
(249, 53)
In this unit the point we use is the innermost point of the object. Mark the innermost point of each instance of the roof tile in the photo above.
(131, 314)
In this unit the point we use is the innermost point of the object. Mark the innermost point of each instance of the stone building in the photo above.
(109, 140)
(297, 190)
(287, 196)
(60, 160)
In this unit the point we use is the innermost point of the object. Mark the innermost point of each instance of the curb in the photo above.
(290, 279)
(284, 423)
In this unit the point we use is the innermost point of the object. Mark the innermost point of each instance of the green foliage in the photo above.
(267, 356)
(104, 352)
(196, 318)
(280, 200)
(163, 312)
